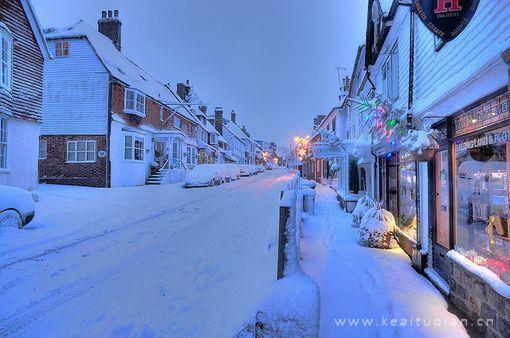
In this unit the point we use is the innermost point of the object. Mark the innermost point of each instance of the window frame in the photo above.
(76, 151)
(391, 74)
(61, 49)
(41, 148)
(135, 102)
(133, 149)
(4, 143)
(175, 124)
(7, 38)
(162, 114)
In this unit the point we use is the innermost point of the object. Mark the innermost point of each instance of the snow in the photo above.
(141, 261)
(15, 198)
(437, 280)
(358, 283)
(420, 139)
(485, 274)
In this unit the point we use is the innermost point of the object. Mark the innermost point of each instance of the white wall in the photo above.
(128, 172)
(75, 100)
(22, 154)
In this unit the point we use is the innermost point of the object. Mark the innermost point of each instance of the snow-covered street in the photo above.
(141, 261)
(368, 292)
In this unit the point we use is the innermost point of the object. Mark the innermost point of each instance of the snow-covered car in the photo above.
(260, 168)
(270, 166)
(17, 206)
(247, 170)
(234, 171)
(203, 175)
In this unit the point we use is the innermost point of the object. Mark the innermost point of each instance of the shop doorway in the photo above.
(442, 232)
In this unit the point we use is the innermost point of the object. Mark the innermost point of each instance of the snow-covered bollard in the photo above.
(308, 200)
(377, 229)
(363, 205)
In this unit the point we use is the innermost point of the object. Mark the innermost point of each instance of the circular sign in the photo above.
(446, 18)
(101, 153)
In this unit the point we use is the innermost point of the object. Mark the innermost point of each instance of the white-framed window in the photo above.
(81, 151)
(162, 114)
(192, 157)
(176, 150)
(134, 148)
(5, 57)
(43, 149)
(3, 143)
(134, 102)
(390, 75)
(62, 49)
(177, 122)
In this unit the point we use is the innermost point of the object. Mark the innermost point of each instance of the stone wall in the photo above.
(486, 310)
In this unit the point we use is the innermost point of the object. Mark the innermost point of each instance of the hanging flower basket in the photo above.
(423, 155)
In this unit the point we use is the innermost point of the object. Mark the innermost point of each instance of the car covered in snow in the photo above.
(17, 206)
(270, 166)
(234, 171)
(260, 168)
(204, 175)
(248, 170)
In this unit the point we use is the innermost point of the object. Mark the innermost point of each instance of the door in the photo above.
(441, 231)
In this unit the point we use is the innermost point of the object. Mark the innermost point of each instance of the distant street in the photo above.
(141, 261)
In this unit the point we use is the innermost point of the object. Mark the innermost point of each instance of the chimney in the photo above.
(183, 90)
(218, 120)
(110, 26)
(233, 116)
(203, 109)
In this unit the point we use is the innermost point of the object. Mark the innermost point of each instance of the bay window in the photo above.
(134, 102)
(3, 143)
(134, 148)
(5, 57)
(82, 151)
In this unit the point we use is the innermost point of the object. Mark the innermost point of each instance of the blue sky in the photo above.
(273, 61)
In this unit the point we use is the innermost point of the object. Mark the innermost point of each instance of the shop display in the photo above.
(407, 220)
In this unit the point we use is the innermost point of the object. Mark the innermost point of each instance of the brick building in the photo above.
(23, 53)
(107, 122)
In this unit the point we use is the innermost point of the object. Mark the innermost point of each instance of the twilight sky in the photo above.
(273, 61)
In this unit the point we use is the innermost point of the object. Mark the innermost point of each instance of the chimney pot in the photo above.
(109, 14)
(116, 13)
(103, 14)
(233, 116)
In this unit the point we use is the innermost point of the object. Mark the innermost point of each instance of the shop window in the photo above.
(481, 173)
(407, 219)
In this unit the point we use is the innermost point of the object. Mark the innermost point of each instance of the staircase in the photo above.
(157, 178)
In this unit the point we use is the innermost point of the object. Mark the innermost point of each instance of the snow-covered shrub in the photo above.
(377, 231)
(364, 204)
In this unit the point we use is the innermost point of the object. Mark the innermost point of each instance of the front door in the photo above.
(441, 231)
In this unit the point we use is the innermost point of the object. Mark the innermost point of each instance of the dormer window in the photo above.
(134, 102)
(62, 49)
(6, 57)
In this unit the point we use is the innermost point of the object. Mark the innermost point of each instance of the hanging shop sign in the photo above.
(325, 151)
(446, 18)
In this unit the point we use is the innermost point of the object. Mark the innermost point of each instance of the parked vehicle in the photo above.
(260, 168)
(248, 170)
(234, 171)
(17, 206)
(270, 166)
(204, 175)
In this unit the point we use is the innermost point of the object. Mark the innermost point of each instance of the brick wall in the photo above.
(152, 109)
(477, 300)
(55, 170)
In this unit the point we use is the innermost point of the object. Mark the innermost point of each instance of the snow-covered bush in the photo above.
(364, 204)
(377, 231)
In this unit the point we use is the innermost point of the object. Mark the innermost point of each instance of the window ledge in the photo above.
(134, 161)
(80, 162)
(134, 112)
(4, 171)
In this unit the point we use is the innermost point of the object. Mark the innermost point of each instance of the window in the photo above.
(134, 102)
(6, 57)
(81, 151)
(390, 76)
(134, 148)
(43, 149)
(3, 143)
(192, 157)
(177, 122)
(407, 220)
(162, 114)
(482, 199)
(62, 49)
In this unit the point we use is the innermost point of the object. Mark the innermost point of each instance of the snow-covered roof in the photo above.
(234, 129)
(36, 28)
(120, 66)
(210, 129)
(222, 139)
